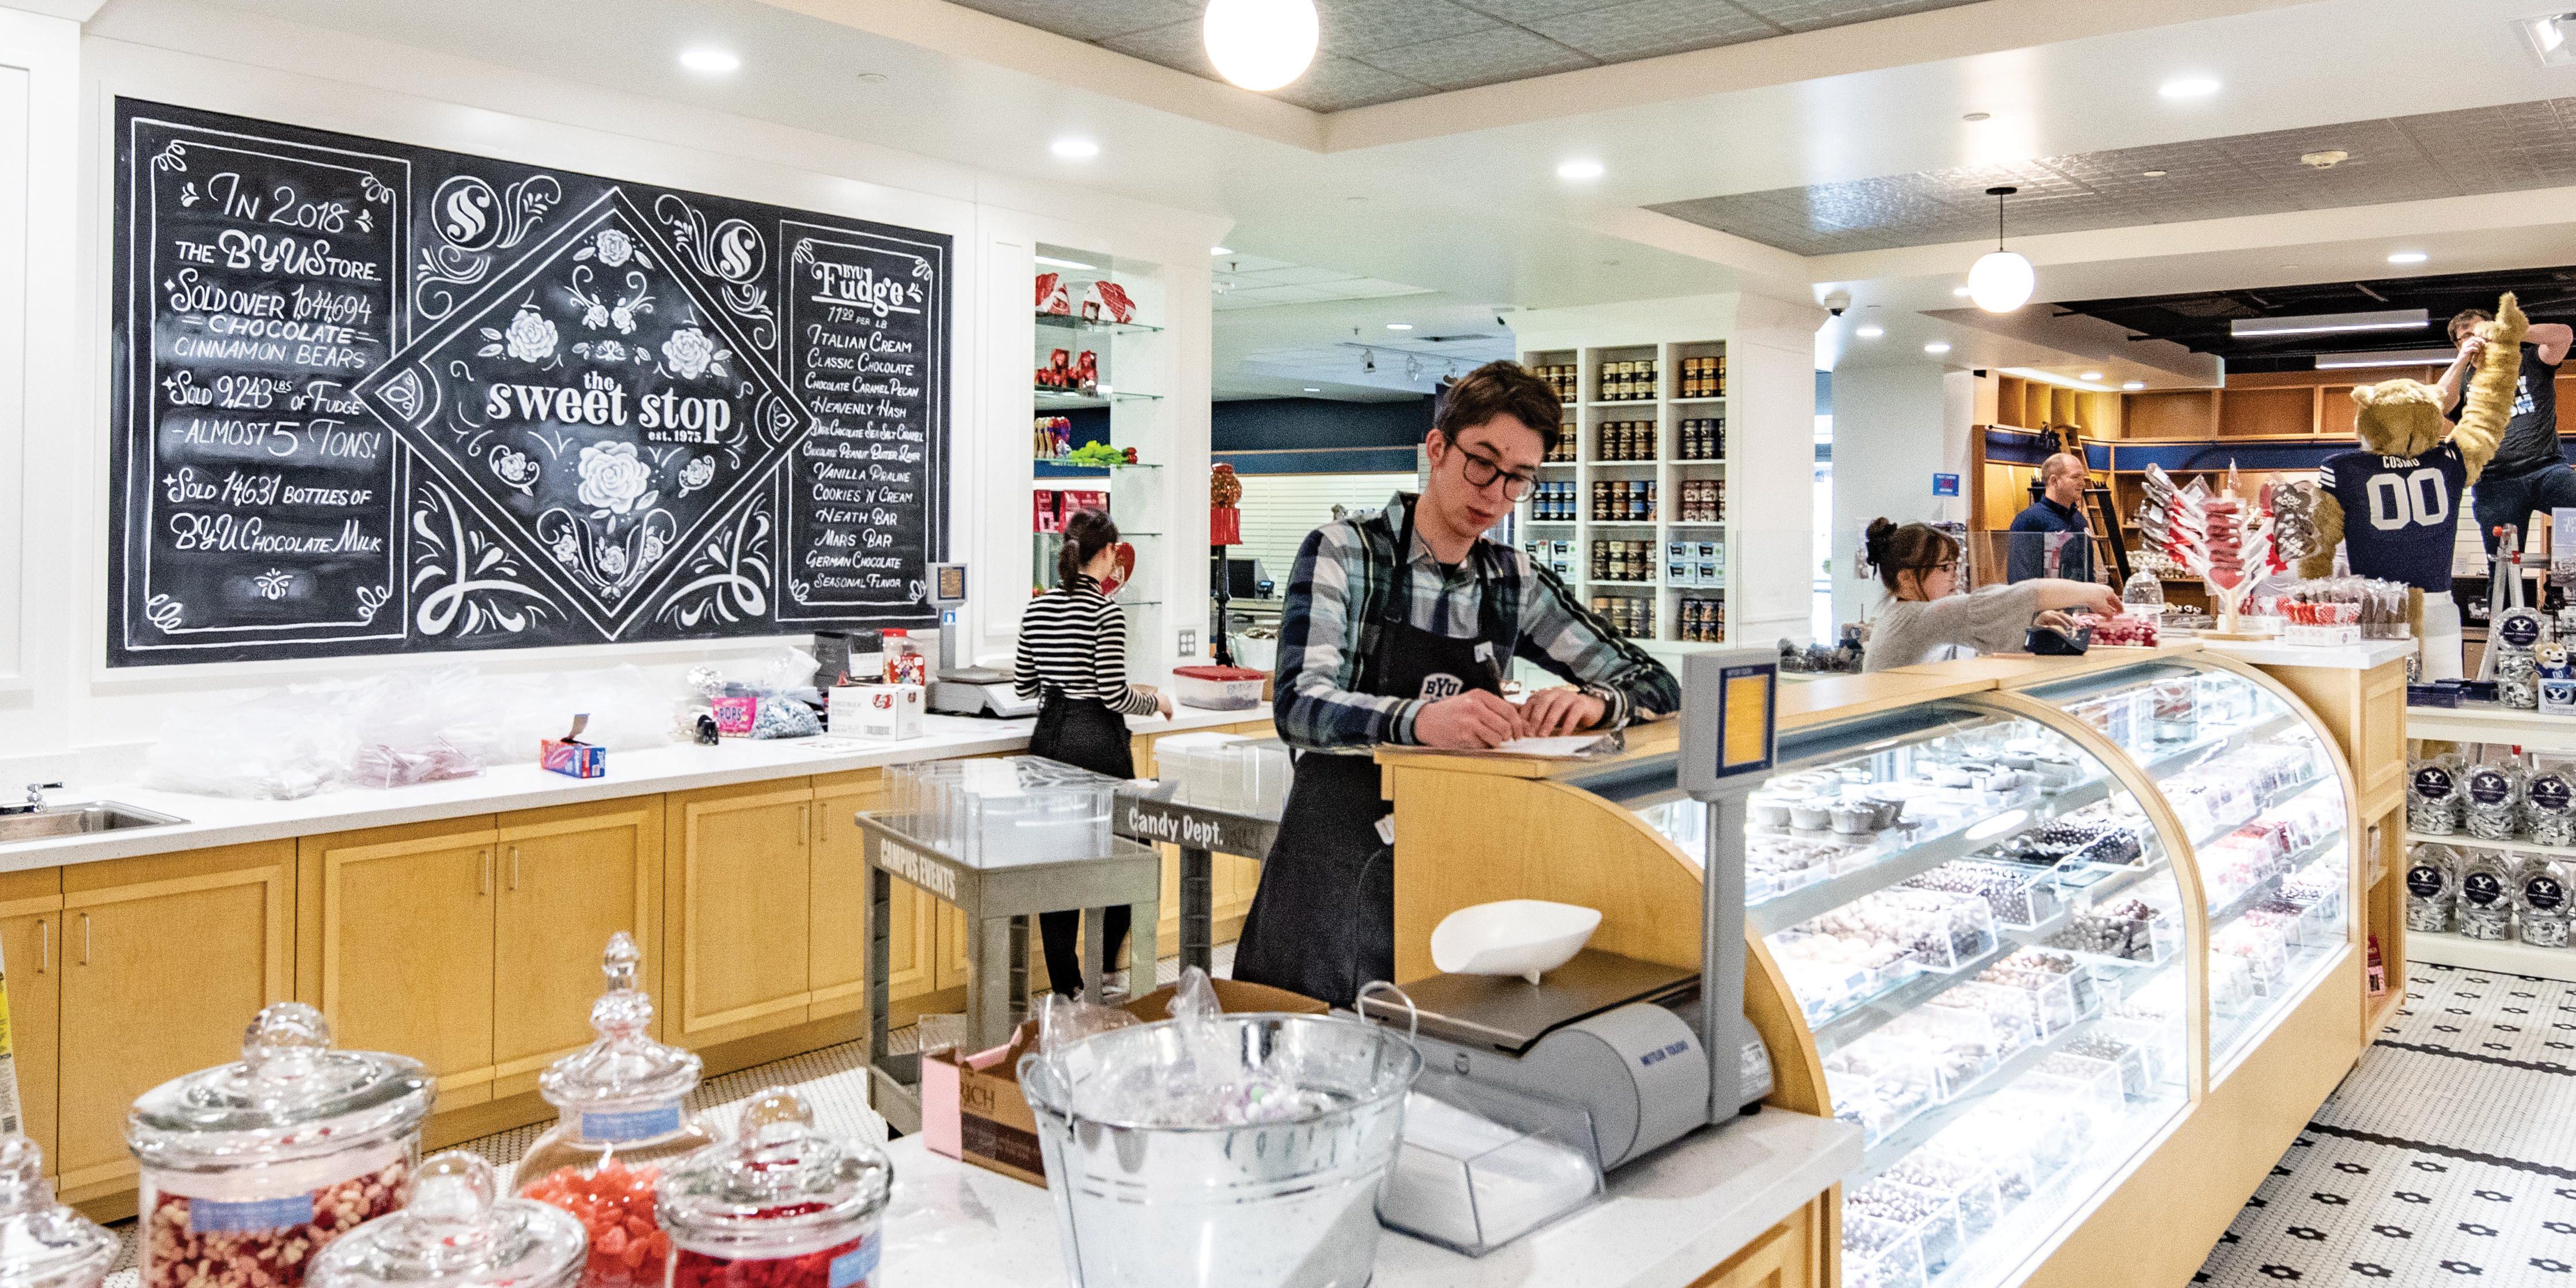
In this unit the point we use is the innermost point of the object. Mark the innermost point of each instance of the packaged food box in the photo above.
(1218, 688)
(884, 712)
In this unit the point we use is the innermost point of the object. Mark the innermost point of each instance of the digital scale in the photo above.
(1647, 1052)
(966, 690)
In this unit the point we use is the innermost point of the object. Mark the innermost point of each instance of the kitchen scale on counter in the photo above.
(966, 690)
(1643, 1052)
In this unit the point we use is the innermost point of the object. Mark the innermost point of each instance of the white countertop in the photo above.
(2357, 657)
(1666, 1220)
(223, 820)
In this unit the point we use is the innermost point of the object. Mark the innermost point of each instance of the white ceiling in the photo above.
(1455, 193)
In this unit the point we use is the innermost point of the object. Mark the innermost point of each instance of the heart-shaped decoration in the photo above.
(1120, 574)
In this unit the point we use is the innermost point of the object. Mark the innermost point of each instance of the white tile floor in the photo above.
(2448, 1156)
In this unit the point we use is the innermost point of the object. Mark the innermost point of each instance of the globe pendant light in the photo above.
(2001, 281)
(1260, 44)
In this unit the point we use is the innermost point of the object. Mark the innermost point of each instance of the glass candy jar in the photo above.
(42, 1243)
(457, 1232)
(619, 1101)
(783, 1206)
(250, 1169)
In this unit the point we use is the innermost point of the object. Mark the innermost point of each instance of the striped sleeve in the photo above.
(1109, 662)
(1568, 640)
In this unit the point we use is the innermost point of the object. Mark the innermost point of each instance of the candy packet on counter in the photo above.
(1202, 1075)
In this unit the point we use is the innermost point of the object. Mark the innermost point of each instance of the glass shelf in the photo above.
(1065, 398)
(1069, 322)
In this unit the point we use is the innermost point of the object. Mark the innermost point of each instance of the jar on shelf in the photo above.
(619, 1121)
(250, 1169)
(44, 1244)
(782, 1206)
(457, 1232)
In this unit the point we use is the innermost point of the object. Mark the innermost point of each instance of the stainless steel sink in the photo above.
(76, 820)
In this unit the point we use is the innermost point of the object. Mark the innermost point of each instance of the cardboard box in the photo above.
(971, 1107)
(570, 756)
(878, 711)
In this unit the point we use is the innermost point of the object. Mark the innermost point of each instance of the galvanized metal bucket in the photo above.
(1284, 1204)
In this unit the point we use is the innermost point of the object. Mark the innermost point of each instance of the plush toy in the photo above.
(2408, 482)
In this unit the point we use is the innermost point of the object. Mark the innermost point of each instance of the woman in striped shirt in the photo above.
(1073, 657)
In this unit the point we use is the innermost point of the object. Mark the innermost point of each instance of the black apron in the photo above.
(1086, 734)
(1322, 922)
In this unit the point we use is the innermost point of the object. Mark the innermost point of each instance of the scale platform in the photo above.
(1508, 1014)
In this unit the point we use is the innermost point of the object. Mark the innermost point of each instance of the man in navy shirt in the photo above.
(2530, 470)
(2050, 538)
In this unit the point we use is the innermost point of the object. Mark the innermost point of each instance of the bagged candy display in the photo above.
(619, 1101)
(2432, 886)
(2517, 632)
(2542, 893)
(2436, 802)
(251, 1168)
(2549, 803)
(2144, 593)
(457, 1232)
(2486, 896)
(2494, 806)
(783, 1206)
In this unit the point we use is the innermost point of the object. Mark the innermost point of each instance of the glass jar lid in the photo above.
(290, 1096)
(458, 1232)
(781, 1188)
(625, 1067)
(42, 1243)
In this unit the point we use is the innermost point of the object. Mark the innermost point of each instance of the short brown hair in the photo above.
(1501, 388)
(2466, 320)
(1917, 548)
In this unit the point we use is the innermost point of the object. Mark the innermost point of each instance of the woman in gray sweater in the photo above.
(1921, 619)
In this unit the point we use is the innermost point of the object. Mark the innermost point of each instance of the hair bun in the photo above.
(1873, 540)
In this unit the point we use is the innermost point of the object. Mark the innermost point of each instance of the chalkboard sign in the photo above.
(373, 398)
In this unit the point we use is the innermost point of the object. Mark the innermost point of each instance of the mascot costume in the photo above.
(2395, 504)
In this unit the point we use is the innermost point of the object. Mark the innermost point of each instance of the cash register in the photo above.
(966, 690)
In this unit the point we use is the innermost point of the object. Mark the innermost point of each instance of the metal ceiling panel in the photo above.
(1091, 19)
(1357, 26)
(1645, 28)
(1481, 58)
(2443, 154)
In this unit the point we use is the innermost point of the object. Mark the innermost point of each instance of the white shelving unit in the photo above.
(2449, 949)
(1668, 470)
(2531, 731)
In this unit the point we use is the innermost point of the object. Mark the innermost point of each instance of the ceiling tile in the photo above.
(1238, 262)
(1357, 26)
(1645, 28)
(1295, 275)
(1815, 15)
(1090, 19)
(1523, 11)
(1178, 45)
(1483, 58)
(1335, 83)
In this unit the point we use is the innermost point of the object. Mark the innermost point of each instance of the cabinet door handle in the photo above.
(483, 883)
(84, 939)
(514, 867)
(805, 822)
(44, 945)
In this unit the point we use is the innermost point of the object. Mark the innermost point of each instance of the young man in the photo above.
(2530, 470)
(2050, 538)
(1400, 627)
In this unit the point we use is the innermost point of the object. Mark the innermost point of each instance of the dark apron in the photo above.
(1322, 922)
(1084, 733)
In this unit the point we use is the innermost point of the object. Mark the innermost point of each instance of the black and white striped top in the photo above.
(1074, 639)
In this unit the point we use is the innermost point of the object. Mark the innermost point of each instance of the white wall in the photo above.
(63, 713)
(1894, 428)
(1280, 509)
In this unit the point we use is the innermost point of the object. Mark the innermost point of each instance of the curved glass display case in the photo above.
(1977, 906)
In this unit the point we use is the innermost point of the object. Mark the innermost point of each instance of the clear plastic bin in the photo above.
(1971, 1188)
(1880, 1088)
(2129, 931)
(1959, 1048)
(2101, 1042)
(2061, 989)
(999, 811)
(2159, 1045)
(2006, 1166)
(2011, 1014)
(1930, 1217)
(1880, 1254)
(1226, 772)
(2093, 1084)
(2020, 895)
(1940, 932)
(1481, 1165)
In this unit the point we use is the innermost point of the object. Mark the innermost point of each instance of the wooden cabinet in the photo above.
(31, 950)
(1788, 1255)
(736, 937)
(401, 956)
(567, 878)
(836, 921)
(164, 960)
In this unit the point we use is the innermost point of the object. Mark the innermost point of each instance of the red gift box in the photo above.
(1046, 518)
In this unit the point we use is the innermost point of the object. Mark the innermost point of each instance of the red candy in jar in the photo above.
(784, 1206)
(619, 1102)
(251, 1169)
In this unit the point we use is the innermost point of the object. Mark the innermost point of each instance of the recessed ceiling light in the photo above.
(1579, 170)
(2286, 267)
(1399, 326)
(1052, 262)
(2329, 323)
(1869, 331)
(1220, 250)
(2189, 87)
(1312, 389)
(709, 60)
(2152, 174)
(2548, 35)
(1961, 292)
(1074, 149)
(2408, 257)
(1978, 116)
(2133, 385)
(2090, 375)
(870, 78)
(1937, 346)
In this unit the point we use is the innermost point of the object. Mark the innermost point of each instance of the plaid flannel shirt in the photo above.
(1336, 595)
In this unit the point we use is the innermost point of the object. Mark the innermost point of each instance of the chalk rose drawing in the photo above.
(700, 471)
(531, 338)
(614, 247)
(689, 352)
(516, 468)
(613, 481)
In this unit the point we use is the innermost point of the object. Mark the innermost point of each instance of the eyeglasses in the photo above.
(1482, 471)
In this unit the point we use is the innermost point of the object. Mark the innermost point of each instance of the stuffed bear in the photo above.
(2410, 479)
